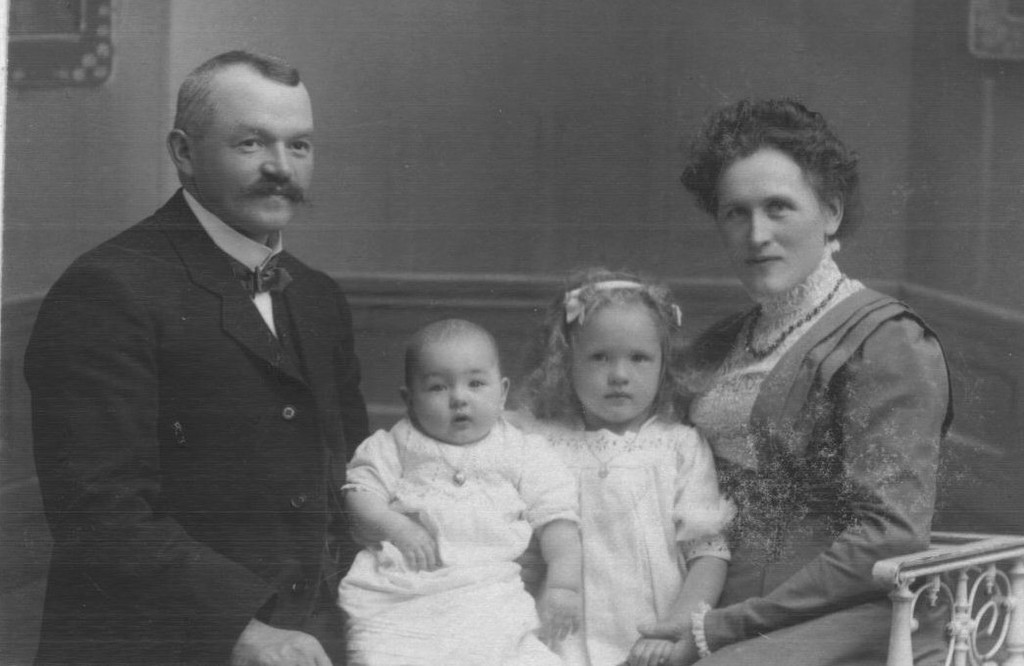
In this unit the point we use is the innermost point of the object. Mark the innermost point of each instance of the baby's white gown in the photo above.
(474, 610)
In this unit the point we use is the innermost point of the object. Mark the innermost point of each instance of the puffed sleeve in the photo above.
(700, 512)
(888, 404)
(546, 484)
(376, 465)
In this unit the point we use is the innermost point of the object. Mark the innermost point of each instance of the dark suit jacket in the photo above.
(189, 467)
(847, 429)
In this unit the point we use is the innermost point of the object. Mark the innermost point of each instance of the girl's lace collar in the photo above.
(805, 295)
(628, 436)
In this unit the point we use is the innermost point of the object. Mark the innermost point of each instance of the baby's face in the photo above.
(457, 392)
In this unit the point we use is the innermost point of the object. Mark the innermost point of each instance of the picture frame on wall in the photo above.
(59, 43)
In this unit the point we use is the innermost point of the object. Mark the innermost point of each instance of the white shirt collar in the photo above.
(238, 246)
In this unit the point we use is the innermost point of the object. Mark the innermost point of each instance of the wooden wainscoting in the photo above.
(980, 483)
(24, 536)
(387, 309)
(985, 346)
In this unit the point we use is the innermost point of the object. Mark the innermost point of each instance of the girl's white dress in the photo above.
(473, 610)
(649, 501)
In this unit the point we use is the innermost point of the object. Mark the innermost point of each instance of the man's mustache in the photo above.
(266, 188)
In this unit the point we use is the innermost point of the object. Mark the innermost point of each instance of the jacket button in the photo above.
(298, 501)
(289, 412)
(299, 587)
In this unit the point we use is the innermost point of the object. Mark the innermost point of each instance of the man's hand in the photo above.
(416, 545)
(560, 611)
(263, 645)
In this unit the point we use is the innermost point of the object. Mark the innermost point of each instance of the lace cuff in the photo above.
(700, 638)
(715, 546)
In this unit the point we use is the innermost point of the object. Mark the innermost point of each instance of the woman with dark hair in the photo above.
(824, 404)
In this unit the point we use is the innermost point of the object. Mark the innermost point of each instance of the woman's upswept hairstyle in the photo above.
(547, 390)
(741, 129)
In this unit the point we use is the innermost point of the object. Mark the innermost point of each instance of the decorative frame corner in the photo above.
(60, 43)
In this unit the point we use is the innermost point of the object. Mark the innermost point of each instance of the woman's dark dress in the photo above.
(834, 469)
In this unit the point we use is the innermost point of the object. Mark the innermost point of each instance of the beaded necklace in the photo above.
(760, 354)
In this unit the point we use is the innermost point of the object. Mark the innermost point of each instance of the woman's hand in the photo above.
(678, 635)
(561, 611)
(416, 544)
(651, 652)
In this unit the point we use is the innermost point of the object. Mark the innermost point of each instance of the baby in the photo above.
(451, 495)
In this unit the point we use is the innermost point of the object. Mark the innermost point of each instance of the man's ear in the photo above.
(179, 145)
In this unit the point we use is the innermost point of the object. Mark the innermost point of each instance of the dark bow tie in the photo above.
(270, 277)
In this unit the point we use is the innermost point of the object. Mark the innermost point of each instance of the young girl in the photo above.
(651, 513)
(452, 494)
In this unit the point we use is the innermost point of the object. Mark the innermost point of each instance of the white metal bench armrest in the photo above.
(966, 569)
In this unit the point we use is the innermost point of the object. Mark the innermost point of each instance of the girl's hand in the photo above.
(417, 546)
(651, 652)
(561, 612)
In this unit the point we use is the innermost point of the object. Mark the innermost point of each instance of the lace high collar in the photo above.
(804, 296)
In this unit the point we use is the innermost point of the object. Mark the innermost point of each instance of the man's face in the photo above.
(254, 159)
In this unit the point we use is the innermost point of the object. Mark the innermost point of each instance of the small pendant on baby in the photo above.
(459, 476)
(603, 470)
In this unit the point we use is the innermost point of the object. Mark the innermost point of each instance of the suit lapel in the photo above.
(312, 324)
(210, 268)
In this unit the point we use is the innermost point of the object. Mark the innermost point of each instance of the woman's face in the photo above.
(772, 221)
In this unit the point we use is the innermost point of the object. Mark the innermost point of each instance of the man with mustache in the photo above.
(194, 392)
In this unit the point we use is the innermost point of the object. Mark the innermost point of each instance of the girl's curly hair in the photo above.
(745, 127)
(547, 390)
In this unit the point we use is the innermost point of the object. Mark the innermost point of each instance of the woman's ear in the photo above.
(833, 211)
(406, 396)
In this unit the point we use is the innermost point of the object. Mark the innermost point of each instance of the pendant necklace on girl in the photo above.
(459, 471)
(603, 469)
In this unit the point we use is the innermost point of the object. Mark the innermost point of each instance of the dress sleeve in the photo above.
(376, 466)
(700, 512)
(888, 405)
(546, 485)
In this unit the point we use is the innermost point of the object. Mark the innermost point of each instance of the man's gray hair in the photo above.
(194, 107)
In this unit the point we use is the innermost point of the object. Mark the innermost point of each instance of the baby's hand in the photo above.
(561, 612)
(417, 546)
(651, 652)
